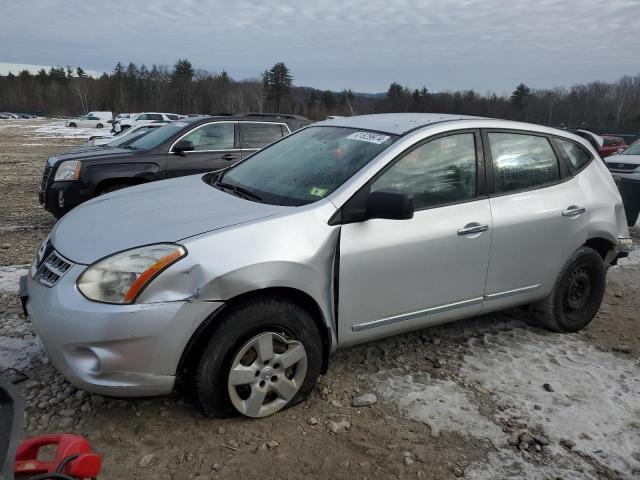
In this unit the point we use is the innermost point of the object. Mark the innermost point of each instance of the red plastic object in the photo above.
(86, 465)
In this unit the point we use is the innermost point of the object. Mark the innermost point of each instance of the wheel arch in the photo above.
(207, 329)
(601, 245)
(107, 182)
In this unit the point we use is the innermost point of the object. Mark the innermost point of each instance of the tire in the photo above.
(113, 188)
(72, 125)
(577, 293)
(237, 345)
(99, 125)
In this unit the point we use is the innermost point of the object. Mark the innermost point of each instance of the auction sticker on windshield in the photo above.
(370, 137)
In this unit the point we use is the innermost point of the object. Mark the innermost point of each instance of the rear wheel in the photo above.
(265, 356)
(99, 125)
(577, 293)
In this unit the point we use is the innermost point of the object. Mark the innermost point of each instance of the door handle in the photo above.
(573, 211)
(229, 156)
(473, 228)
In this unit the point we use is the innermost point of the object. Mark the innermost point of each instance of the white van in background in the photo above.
(92, 120)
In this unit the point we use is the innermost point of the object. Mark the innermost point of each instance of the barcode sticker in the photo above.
(370, 137)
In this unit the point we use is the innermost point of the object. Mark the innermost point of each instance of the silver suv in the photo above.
(245, 281)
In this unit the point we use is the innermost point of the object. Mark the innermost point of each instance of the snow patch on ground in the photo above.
(595, 402)
(59, 129)
(16, 353)
(10, 277)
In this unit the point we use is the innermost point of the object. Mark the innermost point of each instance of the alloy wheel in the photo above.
(266, 373)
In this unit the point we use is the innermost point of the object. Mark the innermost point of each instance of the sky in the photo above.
(485, 45)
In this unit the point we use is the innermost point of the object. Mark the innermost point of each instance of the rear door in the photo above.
(540, 214)
(215, 147)
(257, 135)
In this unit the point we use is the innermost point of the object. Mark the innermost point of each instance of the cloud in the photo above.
(335, 44)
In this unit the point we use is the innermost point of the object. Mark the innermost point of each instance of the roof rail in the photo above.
(272, 115)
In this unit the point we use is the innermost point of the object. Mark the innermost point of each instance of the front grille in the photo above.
(622, 167)
(52, 270)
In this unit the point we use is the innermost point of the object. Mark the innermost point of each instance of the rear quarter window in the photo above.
(578, 156)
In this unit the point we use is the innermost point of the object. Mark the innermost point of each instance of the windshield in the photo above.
(159, 135)
(634, 149)
(308, 165)
(127, 139)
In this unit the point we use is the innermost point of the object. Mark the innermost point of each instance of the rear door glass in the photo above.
(259, 135)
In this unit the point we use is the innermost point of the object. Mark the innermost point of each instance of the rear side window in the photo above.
(438, 172)
(258, 135)
(154, 116)
(578, 156)
(522, 161)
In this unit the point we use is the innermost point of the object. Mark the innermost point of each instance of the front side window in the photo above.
(160, 135)
(213, 136)
(578, 156)
(438, 172)
(522, 161)
(259, 135)
(308, 165)
(143, 116)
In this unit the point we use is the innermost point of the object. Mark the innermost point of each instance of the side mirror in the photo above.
(183, 146)
(390, 204)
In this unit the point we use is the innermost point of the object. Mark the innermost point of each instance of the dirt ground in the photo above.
(490, 397)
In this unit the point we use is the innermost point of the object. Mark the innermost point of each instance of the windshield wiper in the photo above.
(238, 190)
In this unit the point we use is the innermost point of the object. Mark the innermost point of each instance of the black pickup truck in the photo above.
(183, 147)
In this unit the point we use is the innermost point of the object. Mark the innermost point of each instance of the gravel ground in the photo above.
(490, 397)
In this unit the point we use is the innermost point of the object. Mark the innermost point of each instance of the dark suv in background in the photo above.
(183, 147)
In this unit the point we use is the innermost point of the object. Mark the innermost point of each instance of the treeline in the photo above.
(600, 106)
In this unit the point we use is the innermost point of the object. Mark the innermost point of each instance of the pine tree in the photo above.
(277, 83)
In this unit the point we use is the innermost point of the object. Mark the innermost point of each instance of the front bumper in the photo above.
(116, 350)
(60, 197)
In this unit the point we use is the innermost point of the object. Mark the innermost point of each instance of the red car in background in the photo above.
(605, 145)
(611, 145)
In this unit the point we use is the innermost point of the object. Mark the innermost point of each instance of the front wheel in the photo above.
(265, 356)
(73, 125)
(577, 293)
(99, 125)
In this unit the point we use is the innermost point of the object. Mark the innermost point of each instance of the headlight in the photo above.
(121, 277)
(69, 170)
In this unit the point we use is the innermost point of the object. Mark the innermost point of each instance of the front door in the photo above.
(215, 147)
(400, 275)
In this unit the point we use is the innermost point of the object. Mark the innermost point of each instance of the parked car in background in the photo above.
(104, 140)
(612, 145)
(183, 147)
(628, 138)
(242, 283)
(604, 145)
(626, 164)
(144, 118)
(92, 120)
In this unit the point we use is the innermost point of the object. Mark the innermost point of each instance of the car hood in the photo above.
(164, 211)
(89, 154)
(630, 159)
